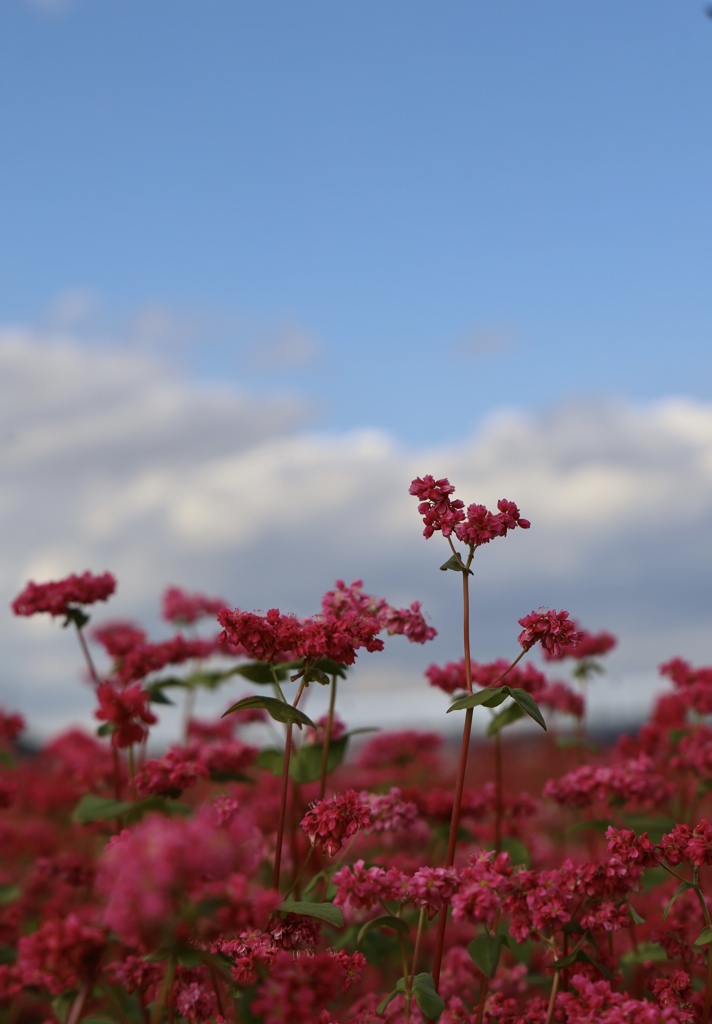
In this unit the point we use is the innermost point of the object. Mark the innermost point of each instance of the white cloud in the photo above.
(110, 460)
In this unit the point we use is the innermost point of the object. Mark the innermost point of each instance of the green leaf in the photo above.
(598, 825)
(93, 808)
(456, 565)
(635, 916)
(400, 987)
(682, 887)
(426, 996)
(646, 951)
(491, 698)
(581, 957)
(61, 1005)
(485, 952)
(259, 672)
(512, 713)
(105, 729)
(324, 911)
(9, 893)
(99, 808)
(518, 853)
(6, 759)
(157, 696)
(8, 954)
(305, 766)
(527, 703)
(396, 924)
(277, 709)
(332, 668)
(704, 938)
(271, 759)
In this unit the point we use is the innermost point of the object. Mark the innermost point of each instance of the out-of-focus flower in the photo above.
(59, 596)
(180, 607)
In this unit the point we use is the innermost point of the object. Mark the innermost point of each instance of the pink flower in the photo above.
(554, 630)
(408, 622)
(118, 638)
(128, 710)
(58, 597)
(60, 954)
(439, 512)
(480, 527)
(590, 645)
(180, 607)
(329, 822)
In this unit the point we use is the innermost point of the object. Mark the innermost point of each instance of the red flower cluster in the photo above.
(127, 709)
(59, 597)
(329, 822)
(182, 608)
(554, 630)
(478, 526)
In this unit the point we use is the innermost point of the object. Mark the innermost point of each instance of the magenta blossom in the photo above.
(554, 630)
(58, 597)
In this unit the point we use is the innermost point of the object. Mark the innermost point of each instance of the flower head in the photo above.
(554, 630)
(58, 597)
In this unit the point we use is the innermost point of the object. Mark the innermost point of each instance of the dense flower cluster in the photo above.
(182, 608)
(59, 597)
(553, 630)
(475, 526)
(329, 822)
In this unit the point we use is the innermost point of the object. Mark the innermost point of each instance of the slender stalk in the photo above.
(462, 767)
(327, 739)
(285, 791)
(484, 989)
(157, 1011)
(552, 998)
(416, 948)
(132, 772)
(77, 1008)
(499, 794)
(88, 658)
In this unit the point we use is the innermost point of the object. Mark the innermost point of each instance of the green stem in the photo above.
(157, 1011)
(283, 798)
(462, 767)
(327, 739)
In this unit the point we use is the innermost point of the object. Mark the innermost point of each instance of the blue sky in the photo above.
(263, 263)
(411, 213)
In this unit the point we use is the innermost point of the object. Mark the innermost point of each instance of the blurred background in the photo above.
(264, 263)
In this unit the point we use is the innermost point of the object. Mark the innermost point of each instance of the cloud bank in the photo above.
(111, 460)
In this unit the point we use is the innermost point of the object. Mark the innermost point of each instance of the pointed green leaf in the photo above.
(485, 952)
(9, 893)
(512, 713)
(277, 709)
(324, 911)
(456, 565)
(98, 808)
(635, 916)
(426, 996)
(305, 765)
(260, 672)
(8, 954)
(518, 853)
(93, 808)
(271, 759)
(704, 938)
(400, 987)
(396, 924)
(581, 957)
(527, 703)
(645, 952)
(682, 887)
(491, 698)
(332, 668)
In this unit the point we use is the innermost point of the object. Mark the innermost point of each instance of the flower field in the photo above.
(270, 868)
